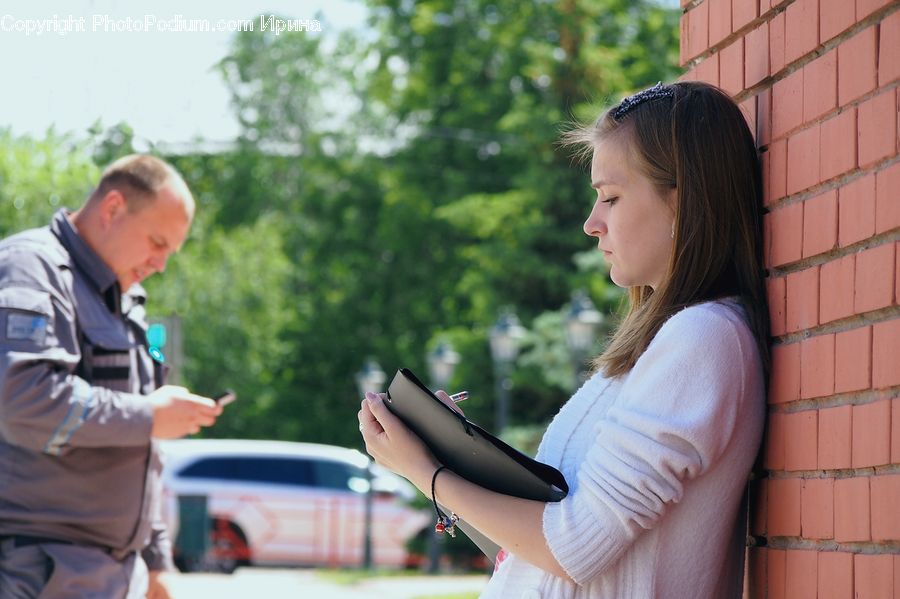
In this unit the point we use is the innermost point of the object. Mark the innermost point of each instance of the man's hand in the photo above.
(178, 412)
(158, 588)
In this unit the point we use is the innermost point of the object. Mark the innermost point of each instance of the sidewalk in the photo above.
(291, 583)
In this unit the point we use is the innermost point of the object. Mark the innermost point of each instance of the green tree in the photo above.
(39, 176)
(386, 191)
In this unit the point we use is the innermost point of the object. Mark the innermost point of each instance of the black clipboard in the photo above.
(470, 451)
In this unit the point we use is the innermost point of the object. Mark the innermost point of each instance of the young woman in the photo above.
(658, 443)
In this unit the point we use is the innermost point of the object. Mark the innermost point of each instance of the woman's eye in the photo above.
(610, 201)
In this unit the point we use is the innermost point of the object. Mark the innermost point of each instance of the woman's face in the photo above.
(631, 220)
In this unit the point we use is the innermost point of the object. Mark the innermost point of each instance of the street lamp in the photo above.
(370, 379)
(582, 323)
(505, 336)
(442, 361)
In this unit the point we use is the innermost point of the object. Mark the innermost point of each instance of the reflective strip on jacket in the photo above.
(76, 458)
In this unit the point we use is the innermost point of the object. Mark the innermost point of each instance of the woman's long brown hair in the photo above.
(699, 143)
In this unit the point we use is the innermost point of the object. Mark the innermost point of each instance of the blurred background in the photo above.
(379, 189)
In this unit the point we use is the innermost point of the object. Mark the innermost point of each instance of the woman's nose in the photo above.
(595, 225)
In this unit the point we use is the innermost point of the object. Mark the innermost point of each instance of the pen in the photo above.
(461, 396)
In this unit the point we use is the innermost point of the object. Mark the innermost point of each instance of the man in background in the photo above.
(82, 402)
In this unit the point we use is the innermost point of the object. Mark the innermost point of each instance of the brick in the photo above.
(719, 20)
(785, 234)
(885, 492)
(887, 197)
(836, 289)
(820, 86)
(731, 67)
(874, 576)
(856, 211)
(895, 431)
(866, 7)
(689, 75)
(896, 560)
(756, 51)
(874, 285)
(784, 507)
(871, 434)
(708, 70)
(684, 35)
(803, 159)
(787, 104)
(853, 360)
(775, 184)
(775, 570)
(857, 74)
(877, 128)
(776, 43)
(758, 573)
(748, 107)
(803, 24)
(817, 508)
(697, 30)
(764, 117)
(851, 509)
(742, 12)
(835, 432)
(773, 455)
(885, 349)
(800, 431)
(800, 574)
(785, 378)
(775, 295)
(835, 575)
(817, 366)
(820, 224)
(839, 137)
(835, 17)
(889, 49)
(802, 307)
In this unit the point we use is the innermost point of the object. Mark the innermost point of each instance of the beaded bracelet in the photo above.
(444, 523)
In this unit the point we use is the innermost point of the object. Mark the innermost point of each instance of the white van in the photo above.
(283, 503)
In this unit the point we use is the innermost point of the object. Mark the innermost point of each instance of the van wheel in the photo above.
(228, 546)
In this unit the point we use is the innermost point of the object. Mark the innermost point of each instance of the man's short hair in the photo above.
(138, 177)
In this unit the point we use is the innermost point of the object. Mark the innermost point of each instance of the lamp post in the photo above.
(505, 336)
(370, 379)
(582, 323)
(442, 361)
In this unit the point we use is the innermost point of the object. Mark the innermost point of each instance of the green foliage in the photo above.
(386, 191)
(39, 176)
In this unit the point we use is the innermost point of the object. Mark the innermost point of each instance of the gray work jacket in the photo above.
(77, 462)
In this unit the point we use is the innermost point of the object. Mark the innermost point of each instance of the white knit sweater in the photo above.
(657, 464)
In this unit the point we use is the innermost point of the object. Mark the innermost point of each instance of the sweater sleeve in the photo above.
(672, 420)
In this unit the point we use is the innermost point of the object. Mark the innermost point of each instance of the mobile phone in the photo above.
(225, 398)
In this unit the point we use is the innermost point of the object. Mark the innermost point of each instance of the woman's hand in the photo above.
(393, 445)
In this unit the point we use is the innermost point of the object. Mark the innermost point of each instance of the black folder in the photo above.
(469, 450)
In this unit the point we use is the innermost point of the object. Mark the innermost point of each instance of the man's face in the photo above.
(137, 244)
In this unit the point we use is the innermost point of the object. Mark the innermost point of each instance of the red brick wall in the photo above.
(819, 81)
